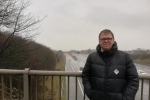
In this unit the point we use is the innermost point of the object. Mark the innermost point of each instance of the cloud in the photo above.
(76, 24)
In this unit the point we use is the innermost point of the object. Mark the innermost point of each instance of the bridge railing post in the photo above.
(26, 83)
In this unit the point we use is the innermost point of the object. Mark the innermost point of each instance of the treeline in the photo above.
(139, 53)
(140, 56)
(88, 51)
(22, 53)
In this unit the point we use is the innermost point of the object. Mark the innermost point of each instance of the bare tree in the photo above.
(14, 21)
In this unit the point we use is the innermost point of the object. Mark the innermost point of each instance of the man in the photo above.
(109, 74)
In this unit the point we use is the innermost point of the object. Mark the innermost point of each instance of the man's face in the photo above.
(106, 41)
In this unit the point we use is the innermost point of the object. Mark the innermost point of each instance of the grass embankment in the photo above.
(143, 62)
(56, 88)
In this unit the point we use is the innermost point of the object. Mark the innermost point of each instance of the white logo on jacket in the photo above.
(116, 71)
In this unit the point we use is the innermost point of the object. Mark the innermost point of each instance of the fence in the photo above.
(48, 85)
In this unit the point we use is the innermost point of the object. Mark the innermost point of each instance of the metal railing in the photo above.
(47, 85)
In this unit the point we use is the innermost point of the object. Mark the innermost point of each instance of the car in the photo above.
(141, 72)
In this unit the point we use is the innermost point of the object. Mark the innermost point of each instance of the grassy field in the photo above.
(143, 62)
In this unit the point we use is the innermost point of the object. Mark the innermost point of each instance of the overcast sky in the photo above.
(76, 24)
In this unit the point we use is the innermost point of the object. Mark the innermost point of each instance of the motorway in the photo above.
(74, 65)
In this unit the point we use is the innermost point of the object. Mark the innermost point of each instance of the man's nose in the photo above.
(105, 40)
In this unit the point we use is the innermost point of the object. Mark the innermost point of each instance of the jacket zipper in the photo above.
(105, 80)
(106, 76)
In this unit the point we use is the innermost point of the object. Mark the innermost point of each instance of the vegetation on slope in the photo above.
(18, 50)
(23, 54)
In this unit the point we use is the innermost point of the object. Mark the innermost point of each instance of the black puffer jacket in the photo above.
(110, 75)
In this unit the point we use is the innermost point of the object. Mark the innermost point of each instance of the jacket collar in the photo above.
(108, 53)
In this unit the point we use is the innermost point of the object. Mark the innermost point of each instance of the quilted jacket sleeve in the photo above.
(132, 80)
(86, 78)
